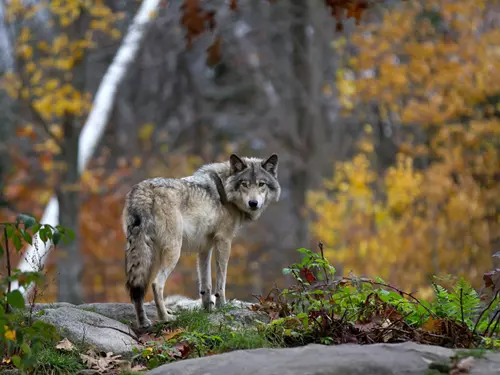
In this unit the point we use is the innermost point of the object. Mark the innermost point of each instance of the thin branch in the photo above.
(484, 311)
(7, 252)
(462, 305)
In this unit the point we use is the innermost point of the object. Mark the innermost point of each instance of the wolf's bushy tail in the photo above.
(139, 254)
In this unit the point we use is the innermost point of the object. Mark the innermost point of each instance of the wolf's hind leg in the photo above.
(205, 278)
(169, 259)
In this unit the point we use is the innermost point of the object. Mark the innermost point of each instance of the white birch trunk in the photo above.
(94, 127)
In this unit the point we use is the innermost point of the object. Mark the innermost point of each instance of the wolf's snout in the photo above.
(253, 204)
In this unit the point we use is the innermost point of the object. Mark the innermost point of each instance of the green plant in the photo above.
(194, 334)
(319, 308)
(21, 340)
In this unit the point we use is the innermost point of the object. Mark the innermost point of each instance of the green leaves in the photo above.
(15, 299)
(29, 221)
(20, 342)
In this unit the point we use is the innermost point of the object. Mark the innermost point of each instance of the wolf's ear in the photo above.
(236, 164)
(271, 164)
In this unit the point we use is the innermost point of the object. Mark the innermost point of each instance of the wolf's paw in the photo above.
(168, 317)
(145, 324)
(208, 306)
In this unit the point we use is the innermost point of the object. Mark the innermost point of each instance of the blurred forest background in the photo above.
(387, 126)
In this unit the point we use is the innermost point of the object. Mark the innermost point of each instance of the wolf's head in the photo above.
(252, 183)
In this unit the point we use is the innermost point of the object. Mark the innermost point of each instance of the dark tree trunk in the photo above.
(69, 258)
(306, 65)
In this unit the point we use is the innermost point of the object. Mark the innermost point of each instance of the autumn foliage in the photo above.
(431, 71)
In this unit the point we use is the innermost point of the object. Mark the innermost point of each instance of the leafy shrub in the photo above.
(319, 308)
(21, 340)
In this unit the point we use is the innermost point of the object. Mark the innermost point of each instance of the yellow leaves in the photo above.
(11, 83)
(26, 131)
(25, 51)
(98, 25)
(43, 46)
(90, 181)
(403, 185)
(347, 89)
(145, 134)
(115, 34)
(51, 84)
(153, 15)
(9, 334)
(30, 67)
(60, 42)
(24, 36)
(57, 100)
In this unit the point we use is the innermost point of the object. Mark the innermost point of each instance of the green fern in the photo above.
(460, 304)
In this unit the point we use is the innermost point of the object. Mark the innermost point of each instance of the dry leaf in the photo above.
(465, 364)
(65, 344)
(101, 364)
(170, 335)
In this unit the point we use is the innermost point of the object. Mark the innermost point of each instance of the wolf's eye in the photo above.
(244, 184)
(261, 184)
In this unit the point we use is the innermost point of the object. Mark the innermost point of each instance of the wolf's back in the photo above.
(138, 225)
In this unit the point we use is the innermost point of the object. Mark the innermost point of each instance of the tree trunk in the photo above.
(306, 64)
(69, 258)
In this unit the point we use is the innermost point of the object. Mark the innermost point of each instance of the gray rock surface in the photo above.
(109, 327)
(91, 329)
(349, 359)
(125, 313)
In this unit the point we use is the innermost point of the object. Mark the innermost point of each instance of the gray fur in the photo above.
(198, 213)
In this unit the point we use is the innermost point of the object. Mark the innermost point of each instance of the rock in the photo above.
(125, 312)
(109, 327)
(122, 312)
(239, 317)
(52, 305)
(349, 359)
(91, 329)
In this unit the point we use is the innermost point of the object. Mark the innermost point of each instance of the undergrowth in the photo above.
(320, 308)
(194, 334)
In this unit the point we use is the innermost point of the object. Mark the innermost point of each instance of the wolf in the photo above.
(201, 213)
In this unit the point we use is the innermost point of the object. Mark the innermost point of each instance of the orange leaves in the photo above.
(350, 8)
(196, 20)
(214, 52)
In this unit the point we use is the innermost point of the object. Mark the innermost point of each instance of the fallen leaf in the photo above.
(465, 364)
(432, 325)
(65, 344)
(170, 335)
(101, 364)
(138, 368)
(183, 348)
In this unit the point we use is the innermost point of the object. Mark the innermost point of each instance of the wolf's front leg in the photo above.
(205, 278)
(222, 252)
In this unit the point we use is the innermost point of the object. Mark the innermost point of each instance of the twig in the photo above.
(483, 312)
(7, 252)
(497, 314)
(320, 245)
(495, 326)
(462, 305)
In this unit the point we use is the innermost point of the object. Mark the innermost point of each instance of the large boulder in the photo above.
(349, 359)
(90, 329)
